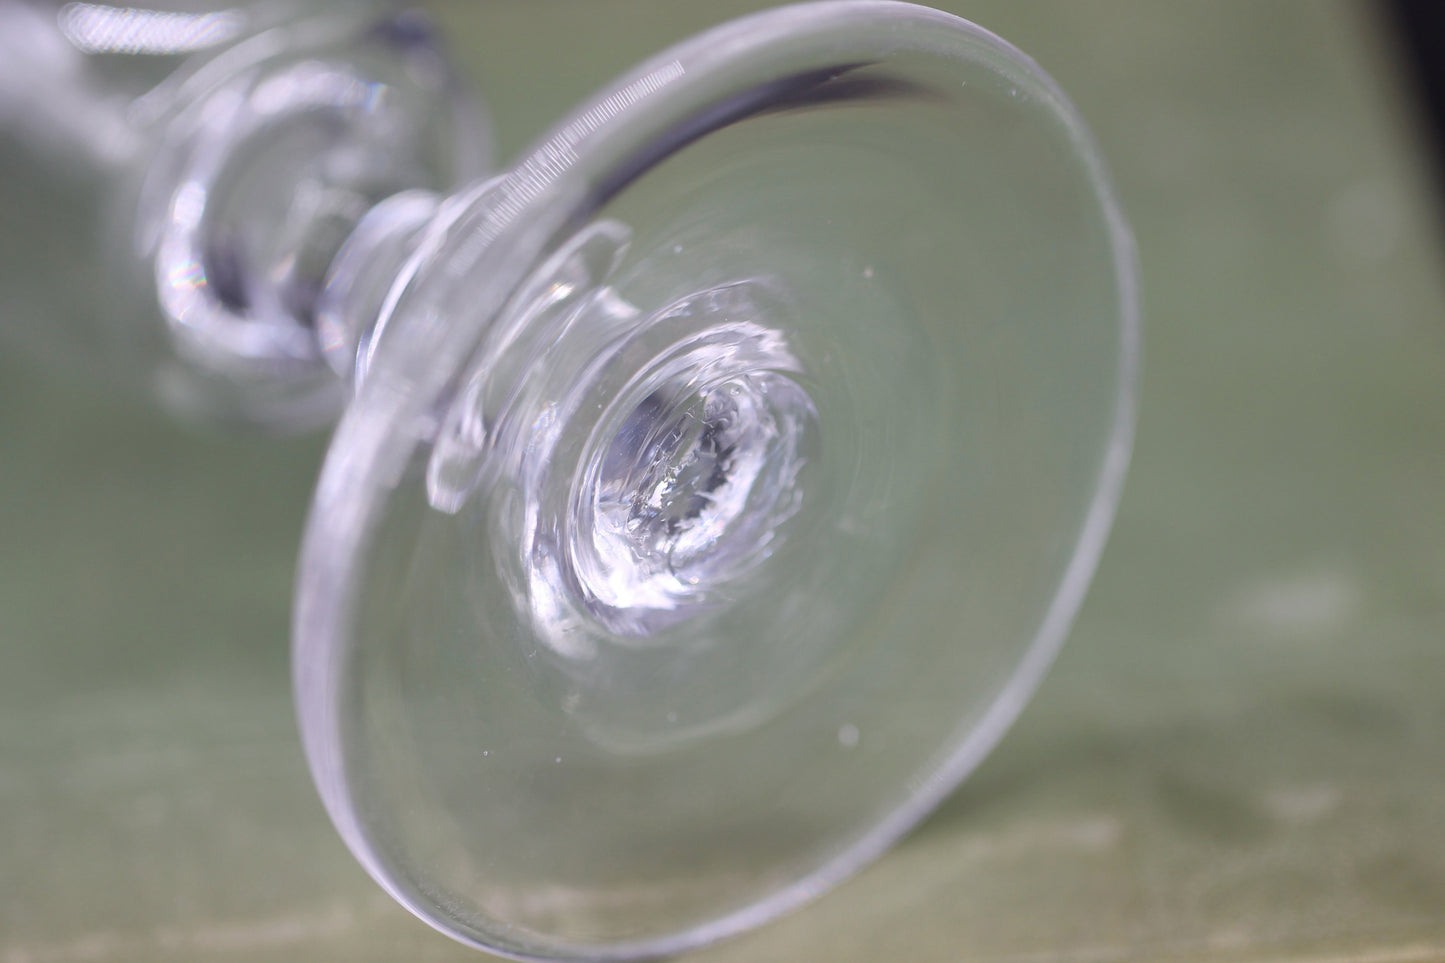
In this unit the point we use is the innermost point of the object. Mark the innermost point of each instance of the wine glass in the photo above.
(194, 171)
(715, 484)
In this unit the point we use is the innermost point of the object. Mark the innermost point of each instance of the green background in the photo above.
(1239, 754)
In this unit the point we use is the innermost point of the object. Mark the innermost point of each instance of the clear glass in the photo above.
(193, 169)
(715, 484)
(720, 480)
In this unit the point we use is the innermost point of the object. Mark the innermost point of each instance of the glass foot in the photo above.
(720, 481)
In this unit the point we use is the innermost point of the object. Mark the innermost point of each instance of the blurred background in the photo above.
(1241, 752)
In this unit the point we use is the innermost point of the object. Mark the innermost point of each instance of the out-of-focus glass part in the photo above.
(720, 482)
(192, 173)
(98, 28)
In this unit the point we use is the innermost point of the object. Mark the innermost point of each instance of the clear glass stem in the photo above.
(197, 174)
(362, 278)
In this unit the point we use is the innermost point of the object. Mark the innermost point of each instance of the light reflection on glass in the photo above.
(319, 85)
(97, 28)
